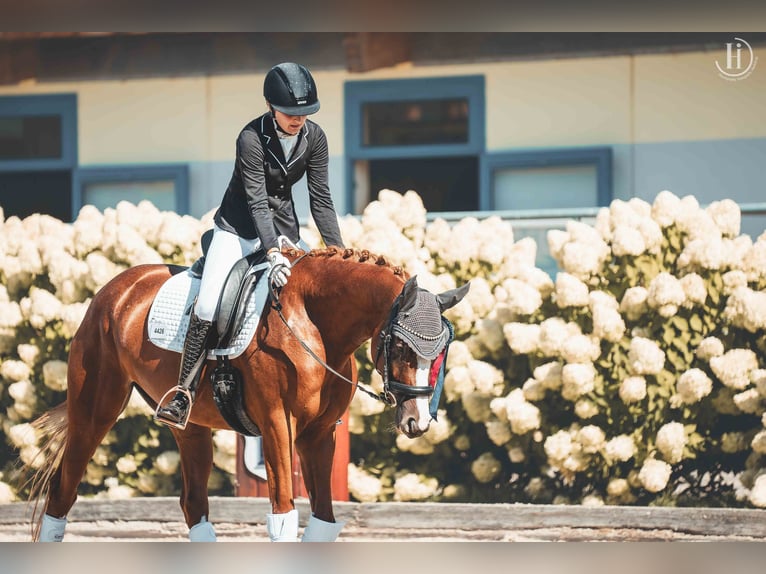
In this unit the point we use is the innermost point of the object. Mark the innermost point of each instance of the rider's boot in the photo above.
(176, 412)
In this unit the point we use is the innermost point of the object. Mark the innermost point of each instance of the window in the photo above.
(30, 137)
(166, 186)
(550, 179)
(38, 153)
(546, 185)
(423, 134)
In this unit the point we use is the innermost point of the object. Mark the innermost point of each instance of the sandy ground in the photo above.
(242, 520)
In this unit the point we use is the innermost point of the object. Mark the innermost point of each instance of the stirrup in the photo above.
(169, 422)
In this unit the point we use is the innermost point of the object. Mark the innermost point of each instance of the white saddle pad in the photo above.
(171, 311)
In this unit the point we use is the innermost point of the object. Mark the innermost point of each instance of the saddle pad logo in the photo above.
(171, 310)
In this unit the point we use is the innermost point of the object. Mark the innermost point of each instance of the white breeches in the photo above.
(225, 250)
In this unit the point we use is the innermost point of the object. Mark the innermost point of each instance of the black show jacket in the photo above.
(258, 201)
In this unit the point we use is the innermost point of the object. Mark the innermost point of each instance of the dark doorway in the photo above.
(24, 193)
(444, 183)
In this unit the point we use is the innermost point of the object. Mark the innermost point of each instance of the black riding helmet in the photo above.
(290, 89)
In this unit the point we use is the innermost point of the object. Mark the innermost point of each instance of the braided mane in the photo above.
(359, 255)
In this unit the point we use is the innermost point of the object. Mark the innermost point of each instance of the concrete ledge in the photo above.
(432, 517)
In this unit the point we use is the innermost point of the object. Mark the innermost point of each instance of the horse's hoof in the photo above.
(203, 531)
(283, 527)
(320, 531)
(52, 529)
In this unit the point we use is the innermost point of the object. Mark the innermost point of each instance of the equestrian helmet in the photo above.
(290, 89)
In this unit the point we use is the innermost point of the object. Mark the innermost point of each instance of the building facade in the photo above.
(516, 123)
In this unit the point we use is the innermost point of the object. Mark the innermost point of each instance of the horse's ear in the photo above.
(409, 294)
(452, 297)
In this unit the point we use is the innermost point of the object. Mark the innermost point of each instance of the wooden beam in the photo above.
(18, 61)
(367, 51)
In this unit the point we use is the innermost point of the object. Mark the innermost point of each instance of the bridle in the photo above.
(390, 387)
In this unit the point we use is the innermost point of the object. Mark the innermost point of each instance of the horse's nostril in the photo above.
(412, 425)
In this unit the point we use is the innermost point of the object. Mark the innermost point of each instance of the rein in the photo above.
(385, 397)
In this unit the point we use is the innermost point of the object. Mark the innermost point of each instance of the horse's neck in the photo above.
(348, 300)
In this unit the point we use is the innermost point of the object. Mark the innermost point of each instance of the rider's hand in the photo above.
(280, 268)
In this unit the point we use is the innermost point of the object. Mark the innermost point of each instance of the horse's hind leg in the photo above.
(93, 405)
(195, 446)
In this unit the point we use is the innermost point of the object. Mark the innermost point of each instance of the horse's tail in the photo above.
(53, 425)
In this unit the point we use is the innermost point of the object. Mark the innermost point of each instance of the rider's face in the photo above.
(291, 124)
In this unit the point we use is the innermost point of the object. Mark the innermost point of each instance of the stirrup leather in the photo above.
(159, 416)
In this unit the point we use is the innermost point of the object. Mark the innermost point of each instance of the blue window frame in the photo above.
(175, 175)
(358, 94)
(63, 106)
(38, 154)
(600, 158)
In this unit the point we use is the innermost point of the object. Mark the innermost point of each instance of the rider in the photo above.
(274, 151)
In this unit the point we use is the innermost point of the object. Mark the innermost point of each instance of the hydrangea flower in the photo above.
(558, 446)
(549, 374)
(585, 409)
(757, 494)
(362, 485)
(521, 297)
(522, 338)
(666, 294)
(692, 386)
(733, 367)
(570, 291)
(523, 415)
(747, 309)
(726, 215)
(485, 468)
(633, 389)
(553, 333)
(695, 290)
(645, 357)
(577, 379)
(620, 448)
(581, 349)
(671, 440)
(654, 475)
(55, 375)
(628, 241)
(592, 438)
(708, 348)
(634, 303)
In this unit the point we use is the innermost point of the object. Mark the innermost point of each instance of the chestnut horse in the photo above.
(334, 302)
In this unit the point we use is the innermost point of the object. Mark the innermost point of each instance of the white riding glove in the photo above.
(280, 268)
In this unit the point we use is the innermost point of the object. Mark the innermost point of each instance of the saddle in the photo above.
(240, 303)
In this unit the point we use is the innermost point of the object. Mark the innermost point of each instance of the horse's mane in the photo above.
(357, 255)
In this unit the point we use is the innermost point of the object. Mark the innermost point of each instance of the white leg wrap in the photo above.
(52, 529)
(283, 527)
(203, 531)
(321, 531)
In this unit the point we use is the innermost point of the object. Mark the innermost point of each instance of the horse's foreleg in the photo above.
(282, 523)
(195, 447)
(316, 450)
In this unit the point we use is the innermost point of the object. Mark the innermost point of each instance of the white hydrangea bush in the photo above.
(672, 300)
(49, 271)
(634, 376)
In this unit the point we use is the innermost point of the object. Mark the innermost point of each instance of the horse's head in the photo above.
(411, 354)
